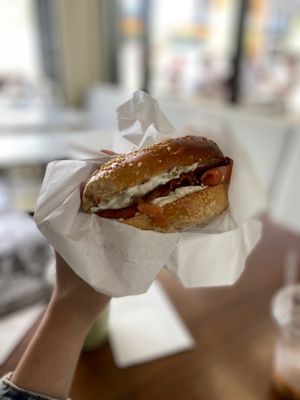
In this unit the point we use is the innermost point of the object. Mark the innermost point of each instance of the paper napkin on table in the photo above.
(146, 327)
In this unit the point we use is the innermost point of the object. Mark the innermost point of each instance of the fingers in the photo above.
(108, 152)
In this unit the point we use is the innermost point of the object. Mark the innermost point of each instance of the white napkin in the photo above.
(14, 326)
(120, 260)
(146, 327)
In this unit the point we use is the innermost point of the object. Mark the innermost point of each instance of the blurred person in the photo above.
(175, 73)
(47, 368)
(272, 81)
(293, 88)
(209, 77)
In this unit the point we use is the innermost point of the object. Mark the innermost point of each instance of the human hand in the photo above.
(49, 363)
(109, 152)
(74, 292)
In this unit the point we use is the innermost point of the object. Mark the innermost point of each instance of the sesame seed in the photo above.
(137, 172)
(130, 164)
(159, 161)
(140, 164)
(168, 148)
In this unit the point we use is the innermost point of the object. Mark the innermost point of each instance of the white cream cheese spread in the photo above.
(125, 198)
(177, 194)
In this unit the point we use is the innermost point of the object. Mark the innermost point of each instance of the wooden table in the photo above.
(233, 330)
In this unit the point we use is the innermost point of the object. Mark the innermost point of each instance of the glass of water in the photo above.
(286, 365)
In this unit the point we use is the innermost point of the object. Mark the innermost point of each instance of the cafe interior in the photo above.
(227, 65)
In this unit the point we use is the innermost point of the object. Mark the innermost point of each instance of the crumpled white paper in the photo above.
(119, 260)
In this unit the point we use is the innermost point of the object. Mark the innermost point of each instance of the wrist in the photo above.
(64, 309)
(74, 294)
(50, 360)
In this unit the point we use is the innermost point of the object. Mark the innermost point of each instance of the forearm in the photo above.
(49, 363)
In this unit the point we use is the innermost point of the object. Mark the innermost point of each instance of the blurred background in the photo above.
(245, 52)
(65, 65)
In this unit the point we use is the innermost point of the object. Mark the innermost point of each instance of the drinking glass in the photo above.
(286, 365)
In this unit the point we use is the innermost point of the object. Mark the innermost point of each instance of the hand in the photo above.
(48, 365)
(109, 152)
(81, 298)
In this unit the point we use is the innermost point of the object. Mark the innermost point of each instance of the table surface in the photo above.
(232, 328)
(37, 147)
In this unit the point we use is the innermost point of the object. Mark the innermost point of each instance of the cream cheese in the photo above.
(177, 194)
(125, 198)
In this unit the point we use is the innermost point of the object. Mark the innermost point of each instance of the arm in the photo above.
(49, 363)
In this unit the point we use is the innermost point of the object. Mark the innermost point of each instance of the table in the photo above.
(44, 117)
(39, 148)
(23, 156)
(233, 330)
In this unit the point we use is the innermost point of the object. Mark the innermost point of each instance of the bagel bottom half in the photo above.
(192, 209)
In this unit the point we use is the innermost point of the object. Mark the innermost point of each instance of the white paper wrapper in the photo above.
(119, 260)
